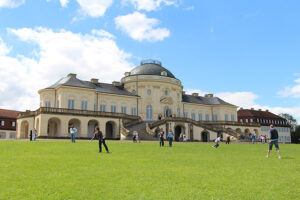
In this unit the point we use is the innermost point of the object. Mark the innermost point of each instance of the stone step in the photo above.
(141, 129)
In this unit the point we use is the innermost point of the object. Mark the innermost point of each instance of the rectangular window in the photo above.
(2, 123)
(2, 135)
(71, 104)
(185, 114)
(84, 105)
(251, 120)
(12, 135)
(193, 115)
(200, 116)
(113, 109)
(123, 110)
(13, 124)
(102, 108)
(215, 117)
(133, 111)
(226, 117)
(232, 118)
(57, 104)
(178, 112)
(241, 120)
(246, 120)
(47, 104)
(207, 117)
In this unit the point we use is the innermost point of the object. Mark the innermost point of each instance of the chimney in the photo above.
(195, 94)
(127, 73)
(95, 80)
(252, 108)
(72, 75)
(209, 95)
(116, 83)
(267, 110)
(183, 92)
(241, 108)
(259, 109)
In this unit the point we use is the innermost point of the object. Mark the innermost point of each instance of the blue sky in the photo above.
(246, 52)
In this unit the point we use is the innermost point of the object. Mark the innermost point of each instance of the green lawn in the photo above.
(62, 170)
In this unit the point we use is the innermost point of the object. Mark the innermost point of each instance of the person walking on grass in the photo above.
(134, 135)
(253, 138)
(30, 135)
(228, 140)
(161, 138)
(273, 140)
(73, 131)
(99, 135)
(34, 134)
(170, 137)
(219, 139)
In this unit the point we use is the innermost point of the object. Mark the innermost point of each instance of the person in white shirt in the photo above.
(72, 133)
(34, 134)
(134, 134)
(219, 139)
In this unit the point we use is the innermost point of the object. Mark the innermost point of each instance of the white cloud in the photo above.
(291, 91)
(140, 28)
(64, 3)
(149, 5)
(241, 99)
(189, 8)
(94, 8)
(11, 3)
(246, 100)
(59, 53)
(3, 48)
(103, 33)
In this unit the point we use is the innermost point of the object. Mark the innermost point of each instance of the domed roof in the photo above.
(151, 67)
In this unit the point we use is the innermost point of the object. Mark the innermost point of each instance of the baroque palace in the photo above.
(147, 98)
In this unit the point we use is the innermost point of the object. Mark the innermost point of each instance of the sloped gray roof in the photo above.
(100, 87)
(204, 100)
(150, 69)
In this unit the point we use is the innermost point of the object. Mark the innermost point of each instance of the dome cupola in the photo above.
(151, 67)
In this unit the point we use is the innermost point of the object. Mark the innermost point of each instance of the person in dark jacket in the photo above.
(273, 140)
(228, 140)
(161, 137)
(30, 135)
(99, 135)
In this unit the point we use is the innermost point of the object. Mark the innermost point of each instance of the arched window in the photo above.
(149, 92)
(166, 111)
(133, 92)
(166, 93)
(149, 113)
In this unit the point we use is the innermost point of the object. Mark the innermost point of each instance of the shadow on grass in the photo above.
(288, 158)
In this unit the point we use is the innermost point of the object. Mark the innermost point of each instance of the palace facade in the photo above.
(147, 98)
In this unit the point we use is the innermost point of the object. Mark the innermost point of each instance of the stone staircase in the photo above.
(141, 129)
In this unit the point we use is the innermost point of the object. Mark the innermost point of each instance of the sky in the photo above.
(245, 52)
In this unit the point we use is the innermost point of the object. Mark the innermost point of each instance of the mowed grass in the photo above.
(62, 170)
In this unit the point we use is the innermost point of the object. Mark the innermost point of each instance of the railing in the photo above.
(202, 123)
(216, 126)
(150, 61)
(47, 110)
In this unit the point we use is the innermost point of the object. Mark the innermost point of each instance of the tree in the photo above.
(290, 120)
(296, 135)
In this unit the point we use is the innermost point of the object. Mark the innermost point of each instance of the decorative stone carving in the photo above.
(123, 130)
(166, 100)
(149, 131)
